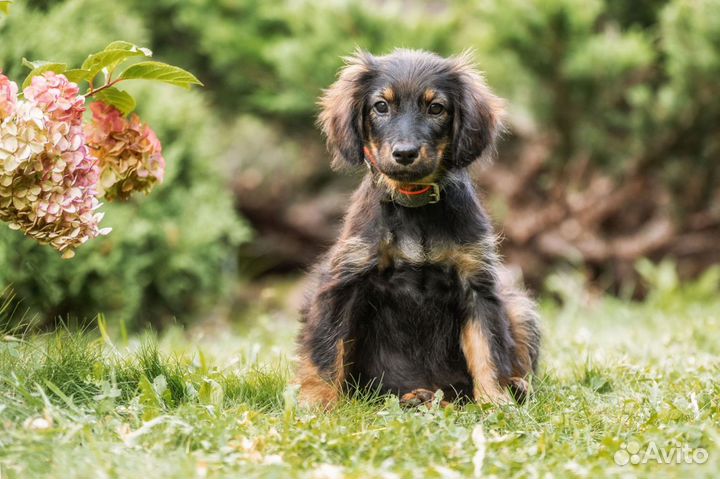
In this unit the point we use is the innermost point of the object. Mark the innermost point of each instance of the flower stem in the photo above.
(109, 84)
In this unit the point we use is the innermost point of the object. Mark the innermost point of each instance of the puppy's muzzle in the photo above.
(405, 153)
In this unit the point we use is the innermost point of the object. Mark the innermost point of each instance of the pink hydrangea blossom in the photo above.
(49, 187)
(57, 96)
(22, 135)
(129, 152)
(8, 96)
(52, 169)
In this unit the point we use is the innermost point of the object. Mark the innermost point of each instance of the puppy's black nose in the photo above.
(405, 153)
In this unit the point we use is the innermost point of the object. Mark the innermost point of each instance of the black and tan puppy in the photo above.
(408, 301)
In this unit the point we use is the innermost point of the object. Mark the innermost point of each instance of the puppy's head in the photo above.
(416, 113)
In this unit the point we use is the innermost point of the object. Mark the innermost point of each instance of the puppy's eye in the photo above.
(381, 107)
(435, 108)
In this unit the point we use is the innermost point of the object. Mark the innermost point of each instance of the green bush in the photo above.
(170, 254)
(66, 31)
(274, 57)
(630, 88)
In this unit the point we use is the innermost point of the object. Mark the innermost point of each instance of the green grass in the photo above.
(217, 404)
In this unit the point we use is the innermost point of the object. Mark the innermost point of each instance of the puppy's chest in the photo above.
(402, 250)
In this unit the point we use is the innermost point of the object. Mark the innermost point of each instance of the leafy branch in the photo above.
(104, 65)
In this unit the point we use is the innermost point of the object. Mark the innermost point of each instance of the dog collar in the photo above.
(417, 194)
(411, 195)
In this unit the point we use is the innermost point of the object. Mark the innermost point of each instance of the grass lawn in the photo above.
(616, 379)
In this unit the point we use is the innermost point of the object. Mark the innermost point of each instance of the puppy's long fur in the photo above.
(409, 298)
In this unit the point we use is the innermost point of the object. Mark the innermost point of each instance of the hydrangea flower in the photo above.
(129, 152)
(22, 135)
(48, 177)
(59, 98)
(8, 96)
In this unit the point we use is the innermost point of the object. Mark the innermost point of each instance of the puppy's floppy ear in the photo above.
(342, 110)
(478, 115)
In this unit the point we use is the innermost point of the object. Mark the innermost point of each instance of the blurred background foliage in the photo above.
(611, 153)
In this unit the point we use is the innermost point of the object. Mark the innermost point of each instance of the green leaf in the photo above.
(121, 45)
(66, 399)
(102, 326)
(160, 72)
(111, 58)
(149, 399)
(39, 67)
(76, 74)
(120, 99)
(37, 63)
(211, 393)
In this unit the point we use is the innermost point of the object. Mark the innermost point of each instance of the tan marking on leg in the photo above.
(314, 389)
(475, 347)
(524, 328)
(522, 348)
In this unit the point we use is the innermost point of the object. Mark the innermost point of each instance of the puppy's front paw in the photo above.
(520, 389)
(420, 397)
(492, 395)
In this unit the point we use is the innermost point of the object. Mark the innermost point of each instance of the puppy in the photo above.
(409, 300)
